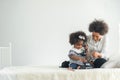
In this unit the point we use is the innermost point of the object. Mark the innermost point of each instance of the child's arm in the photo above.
(74, 57)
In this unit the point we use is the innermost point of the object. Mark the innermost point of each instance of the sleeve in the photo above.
(105, 53)
(91, 47)
(71, 52)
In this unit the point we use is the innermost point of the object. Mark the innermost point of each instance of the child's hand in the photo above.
(86, 48)
(83, 60)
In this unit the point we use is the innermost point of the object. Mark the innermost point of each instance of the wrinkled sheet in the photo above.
(56, 73)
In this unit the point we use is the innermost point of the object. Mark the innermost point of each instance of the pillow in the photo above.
(113, 62)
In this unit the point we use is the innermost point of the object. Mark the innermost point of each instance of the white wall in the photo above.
(39, 29)
(119, 38)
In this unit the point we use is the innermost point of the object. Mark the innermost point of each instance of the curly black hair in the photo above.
(74, 37)
(98, 26)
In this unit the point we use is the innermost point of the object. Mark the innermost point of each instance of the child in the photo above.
(77, 54)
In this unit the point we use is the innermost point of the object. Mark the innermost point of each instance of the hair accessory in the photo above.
(81, 37)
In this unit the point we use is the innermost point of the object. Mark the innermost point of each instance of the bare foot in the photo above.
(70, 69)
(78, 67)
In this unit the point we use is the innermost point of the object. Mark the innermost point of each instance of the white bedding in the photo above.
(56, 73)
(113, 62)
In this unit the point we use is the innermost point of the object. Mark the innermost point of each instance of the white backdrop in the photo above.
(39, 29)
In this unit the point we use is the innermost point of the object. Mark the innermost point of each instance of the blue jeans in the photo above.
(73, 65)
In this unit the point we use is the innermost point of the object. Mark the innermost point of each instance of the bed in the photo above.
(56, 73)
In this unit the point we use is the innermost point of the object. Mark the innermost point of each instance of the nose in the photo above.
(80, 46)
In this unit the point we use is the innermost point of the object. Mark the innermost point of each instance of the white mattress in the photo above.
(56, 73)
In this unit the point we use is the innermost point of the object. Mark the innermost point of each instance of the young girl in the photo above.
(77, 54)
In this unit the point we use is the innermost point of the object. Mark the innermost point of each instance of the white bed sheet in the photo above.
(56, 73)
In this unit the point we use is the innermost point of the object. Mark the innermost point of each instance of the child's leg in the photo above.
(69, 68)
(78, 67)
(73, 65)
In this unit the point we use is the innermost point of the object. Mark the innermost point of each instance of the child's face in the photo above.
(96, 36)
(78, 45)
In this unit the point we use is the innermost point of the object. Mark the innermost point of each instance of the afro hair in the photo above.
(74, 37)
(98, 26)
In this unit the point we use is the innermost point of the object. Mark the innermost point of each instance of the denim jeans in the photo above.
(74, 66)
